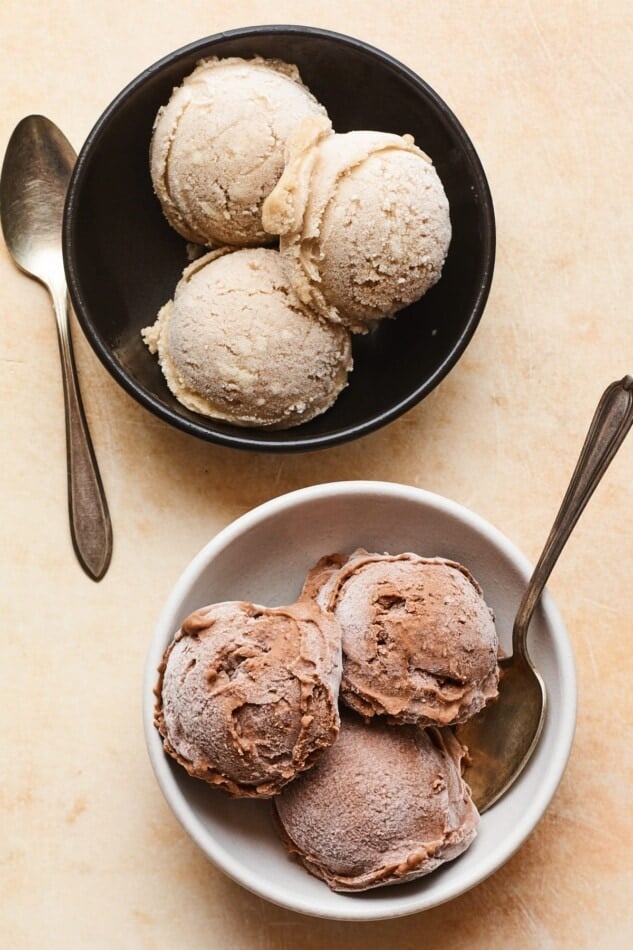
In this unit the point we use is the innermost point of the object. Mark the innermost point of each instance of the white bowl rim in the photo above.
(220, 856)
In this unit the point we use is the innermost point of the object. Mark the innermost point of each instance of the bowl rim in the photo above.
(565, 722)
(251, 439)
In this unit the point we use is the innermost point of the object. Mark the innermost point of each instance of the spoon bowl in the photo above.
(35, 174)
(502, 737)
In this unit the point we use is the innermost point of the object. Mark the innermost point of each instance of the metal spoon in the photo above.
(33, 183)
(503, 736)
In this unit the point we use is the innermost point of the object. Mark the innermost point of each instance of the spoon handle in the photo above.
(611, 422)
(90, 526)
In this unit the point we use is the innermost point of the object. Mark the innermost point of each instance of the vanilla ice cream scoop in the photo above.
(383, 805)
(217, 148)
(236, 344)
(363, 221)
(419, 641)
(247, 695)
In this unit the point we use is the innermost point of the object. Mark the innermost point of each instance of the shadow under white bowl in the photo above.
(263, 557)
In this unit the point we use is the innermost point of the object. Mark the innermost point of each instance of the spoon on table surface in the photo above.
(35, 173)
(503, 736)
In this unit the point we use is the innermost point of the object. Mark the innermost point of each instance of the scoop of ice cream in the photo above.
(236, 344)
(217, 148)
(419, 641)
(247, 695)
(363, 219)
(383, 805)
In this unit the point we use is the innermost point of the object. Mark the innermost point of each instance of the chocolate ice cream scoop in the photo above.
(363, 221)
(419, 641)
(247, 695)
(383, 805)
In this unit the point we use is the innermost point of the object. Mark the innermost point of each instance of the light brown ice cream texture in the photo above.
(363, 221)
(383, 805)
(217, 148)
(236, 344)
(247, 695)
(419, 641)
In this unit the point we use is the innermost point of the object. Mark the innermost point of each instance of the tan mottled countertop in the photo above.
(90, 855)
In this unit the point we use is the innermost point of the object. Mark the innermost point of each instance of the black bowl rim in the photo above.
(251, 439)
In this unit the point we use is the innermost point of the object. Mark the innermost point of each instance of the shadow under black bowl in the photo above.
(123, 260)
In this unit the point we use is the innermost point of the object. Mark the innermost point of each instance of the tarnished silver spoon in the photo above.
(503, 736)
(35, 173)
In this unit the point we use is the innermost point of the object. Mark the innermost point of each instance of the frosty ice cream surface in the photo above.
(339, 706)
(243, 156)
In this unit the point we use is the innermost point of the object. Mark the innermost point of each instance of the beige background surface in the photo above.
(90, 856)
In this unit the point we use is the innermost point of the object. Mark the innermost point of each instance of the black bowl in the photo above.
(123, 260)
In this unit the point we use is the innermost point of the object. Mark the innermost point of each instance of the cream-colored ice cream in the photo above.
(363, 221)
(217, 148)
(383, 805)
(247, 695)
(236, 344)
(419, 641)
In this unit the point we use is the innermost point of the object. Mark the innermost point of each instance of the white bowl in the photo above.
(263, 557)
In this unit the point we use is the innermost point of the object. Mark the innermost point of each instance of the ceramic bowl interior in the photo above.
(263, 557)
(123, 260)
